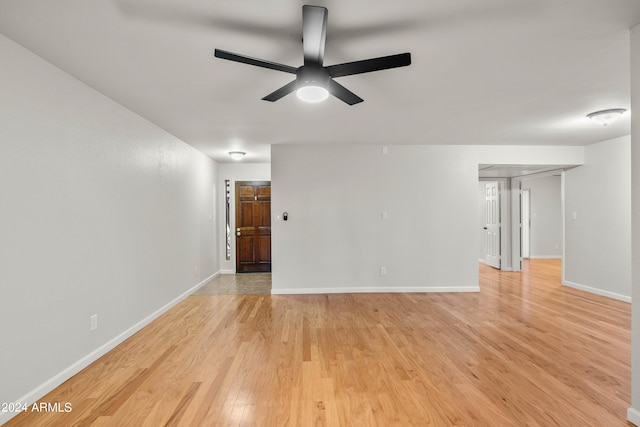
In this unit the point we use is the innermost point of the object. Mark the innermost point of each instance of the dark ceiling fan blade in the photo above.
(314, 34)
(342, 93)
(284, 90)
(223, 54)
(368, 65)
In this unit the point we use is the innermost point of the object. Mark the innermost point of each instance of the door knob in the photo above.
(238, 233)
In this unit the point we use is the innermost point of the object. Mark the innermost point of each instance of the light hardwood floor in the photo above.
(523, 351)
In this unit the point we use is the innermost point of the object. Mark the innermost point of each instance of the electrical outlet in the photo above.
(383, 271)
(94, 322)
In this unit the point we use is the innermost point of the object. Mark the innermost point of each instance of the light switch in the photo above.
(385, 215)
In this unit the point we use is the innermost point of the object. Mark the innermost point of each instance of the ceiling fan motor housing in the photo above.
(312, 76)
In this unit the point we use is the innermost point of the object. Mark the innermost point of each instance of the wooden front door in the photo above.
(253, 226)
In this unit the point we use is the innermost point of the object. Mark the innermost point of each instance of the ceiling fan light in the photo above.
(312, 93)
(237, 155)
(606, 117)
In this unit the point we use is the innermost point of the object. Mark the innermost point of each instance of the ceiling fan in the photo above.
(314, 82)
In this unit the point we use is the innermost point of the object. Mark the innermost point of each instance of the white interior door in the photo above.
(492, 225)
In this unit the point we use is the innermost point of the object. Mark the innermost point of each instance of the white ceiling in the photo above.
(483, 71)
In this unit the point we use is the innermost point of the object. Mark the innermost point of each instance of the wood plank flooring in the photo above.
(523, 351)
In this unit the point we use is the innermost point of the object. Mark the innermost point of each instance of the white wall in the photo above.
(101, 213)
(634, 411)
(598, 241)
(234, 172)
(336, 239)
(546, 216)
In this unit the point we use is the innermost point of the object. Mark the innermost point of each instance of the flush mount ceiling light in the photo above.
(312, 93)
(606, 117)
(312, 84)
(237, 155)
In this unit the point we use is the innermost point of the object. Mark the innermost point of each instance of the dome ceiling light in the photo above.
(606, 117)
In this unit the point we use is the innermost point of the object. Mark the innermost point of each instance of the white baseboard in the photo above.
(55, 381)
(361, 289)
(227, 272)
(633, 416)
(545, 257)
(597, 291)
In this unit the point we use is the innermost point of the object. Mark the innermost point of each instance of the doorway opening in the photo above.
(530, 228)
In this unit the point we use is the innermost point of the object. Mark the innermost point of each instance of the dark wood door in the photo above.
(253, 226)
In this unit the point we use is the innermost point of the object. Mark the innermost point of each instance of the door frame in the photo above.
(525, 223)
(229, 266)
